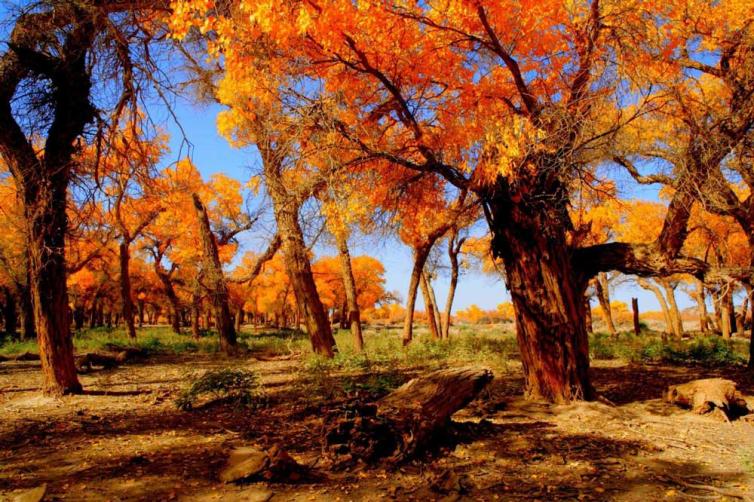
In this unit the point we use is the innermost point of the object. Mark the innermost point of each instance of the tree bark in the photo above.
(588, 315)
(454, 248)
(675, 313)
(701, 306)
(125, 288)
(602, 290)
(196, 305)
(349, 285)
(10, 313)
(429, 308)
(215, 279)
(635, 310)
(547, 294)
(169, 290)
(420, 258)
(649, 286)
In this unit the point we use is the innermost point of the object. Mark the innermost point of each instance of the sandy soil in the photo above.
(125, 440)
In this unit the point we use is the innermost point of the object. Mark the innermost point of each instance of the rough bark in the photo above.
(349, 285)
(405, 422)
(701, 306)
(588, 315)
(547, 293)
(169, 290)
(602, 290)
(215, 281)
(420, 258)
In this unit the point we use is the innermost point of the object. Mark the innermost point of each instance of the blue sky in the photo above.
(212, 154)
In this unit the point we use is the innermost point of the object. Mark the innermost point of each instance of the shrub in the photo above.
(236, 386)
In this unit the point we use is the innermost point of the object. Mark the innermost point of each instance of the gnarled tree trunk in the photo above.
(602, 289)
(429, 308)
(548, 297)
(675, 313)
(420, 258)
(454, 249)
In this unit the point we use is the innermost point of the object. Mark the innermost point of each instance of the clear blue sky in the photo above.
(212, 154)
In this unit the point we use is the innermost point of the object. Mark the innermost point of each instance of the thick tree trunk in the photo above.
(27, 311)
(48, 222)
(349, 285)
(602, 290)
(125, 288)
(434, 330)
(215, 279)
(675, 313)
(420, 258)
(547, 295)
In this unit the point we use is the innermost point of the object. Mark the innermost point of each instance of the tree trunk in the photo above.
(47, 224)
(10, 313)
(125, 288)
(429, 308)
(650, 286)
(433, 301)
(635, 310)
(701, 306)
(675, 313)
(741, 317)
(169, 290)
(299, 269)
(239, 319)
(196, 304)
(27, 311)
(454, 249)
(420, 258)
(215, 279)
(601, 287)
(349, 285)
(140, 308)
(547, 295)
(588, 315)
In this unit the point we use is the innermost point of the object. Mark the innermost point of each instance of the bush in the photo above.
(238, 387)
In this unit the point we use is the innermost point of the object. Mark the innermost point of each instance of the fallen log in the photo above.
(405, 421)
(709, 395)
(85, 363)
(246, 464)
(24, 356)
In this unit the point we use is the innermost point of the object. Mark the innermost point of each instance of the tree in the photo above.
(536, 97)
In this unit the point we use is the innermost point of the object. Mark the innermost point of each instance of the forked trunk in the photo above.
(701, 306)
(420, 258)
(175, 305)
(650, 286)
(454, 248)
(675, 313)
(547, 296)
(125, 289)
(429, 308)
(215, 280)
(349, 285)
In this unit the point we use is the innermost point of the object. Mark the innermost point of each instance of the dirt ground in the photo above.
(125, 440)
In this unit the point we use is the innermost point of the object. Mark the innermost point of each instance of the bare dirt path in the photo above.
(125, 440)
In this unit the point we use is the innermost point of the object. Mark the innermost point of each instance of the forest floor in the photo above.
(124, 439)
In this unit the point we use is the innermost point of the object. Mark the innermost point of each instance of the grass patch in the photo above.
(238, 387)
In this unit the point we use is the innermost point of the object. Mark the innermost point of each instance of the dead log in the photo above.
(709, 395)
(24, 356)
(85, 363)
(405, 421)
(246, 464)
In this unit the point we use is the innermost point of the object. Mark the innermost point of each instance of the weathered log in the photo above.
(245, 464)
(709, 395)
(86, 362)
(24, 356)
(404, 422)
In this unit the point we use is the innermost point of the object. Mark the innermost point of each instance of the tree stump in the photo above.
(709, 395)
(404, 422)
